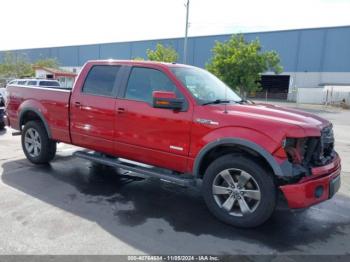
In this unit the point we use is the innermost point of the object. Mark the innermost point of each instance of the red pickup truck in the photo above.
(182, 124)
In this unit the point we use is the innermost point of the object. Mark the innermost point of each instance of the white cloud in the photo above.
(40, 23)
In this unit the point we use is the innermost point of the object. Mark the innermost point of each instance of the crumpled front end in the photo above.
(311, 169)
(321, 185)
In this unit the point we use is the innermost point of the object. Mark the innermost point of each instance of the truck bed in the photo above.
(52, 103)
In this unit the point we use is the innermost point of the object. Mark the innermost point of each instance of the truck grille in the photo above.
(327, 141)
(308, 152)
(322, 147)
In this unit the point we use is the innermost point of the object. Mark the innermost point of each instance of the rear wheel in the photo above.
(238, 191)
(36, 144)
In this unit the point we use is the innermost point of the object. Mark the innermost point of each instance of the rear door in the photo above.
(151, 135)
(93, 109)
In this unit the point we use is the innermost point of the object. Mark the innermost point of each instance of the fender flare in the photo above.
(39, 114)
(236, 142)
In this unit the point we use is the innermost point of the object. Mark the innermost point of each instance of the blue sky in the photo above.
(43, 23)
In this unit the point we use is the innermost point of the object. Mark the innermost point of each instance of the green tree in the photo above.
(15, 66)
(162, 53)
(240, 64)
(47, 62)
(138, 58)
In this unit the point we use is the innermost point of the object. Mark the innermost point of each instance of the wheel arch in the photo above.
(233, 145)
(30, 114)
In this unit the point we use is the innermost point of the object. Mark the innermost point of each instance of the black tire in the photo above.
(2, 126)
(47, 146)
(259, 180)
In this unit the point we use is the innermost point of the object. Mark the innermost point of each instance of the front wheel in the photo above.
(36, 144)
(238, 191)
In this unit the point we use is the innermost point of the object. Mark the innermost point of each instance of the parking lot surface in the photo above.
(73, 207)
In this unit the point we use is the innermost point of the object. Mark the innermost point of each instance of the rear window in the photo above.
(49, 83)
(101, 80)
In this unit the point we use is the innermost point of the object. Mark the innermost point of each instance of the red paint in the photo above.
(323, 170)
(302, 194)
(167, 138)
(52, 104)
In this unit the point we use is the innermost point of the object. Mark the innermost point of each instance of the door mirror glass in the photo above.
(167, 100)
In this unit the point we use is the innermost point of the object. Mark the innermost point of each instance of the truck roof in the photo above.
(136, 62)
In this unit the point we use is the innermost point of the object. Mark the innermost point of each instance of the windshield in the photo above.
(204, 86)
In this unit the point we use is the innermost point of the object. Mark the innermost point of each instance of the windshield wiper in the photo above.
(245, 101)
(217, 101)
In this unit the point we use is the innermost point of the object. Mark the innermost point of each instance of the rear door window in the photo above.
(101, 80)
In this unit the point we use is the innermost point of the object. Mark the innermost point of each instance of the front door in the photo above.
(156, 136)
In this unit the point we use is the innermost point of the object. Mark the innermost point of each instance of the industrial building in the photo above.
(311, 58)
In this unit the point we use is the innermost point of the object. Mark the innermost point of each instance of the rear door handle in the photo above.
(120, 110)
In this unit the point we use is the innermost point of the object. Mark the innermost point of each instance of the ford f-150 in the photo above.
(182, 124)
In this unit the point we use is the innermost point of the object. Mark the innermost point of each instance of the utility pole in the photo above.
(187, 5)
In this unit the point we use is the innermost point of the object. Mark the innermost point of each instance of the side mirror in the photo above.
(167, 100)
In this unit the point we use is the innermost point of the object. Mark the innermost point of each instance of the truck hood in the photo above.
(285, 118)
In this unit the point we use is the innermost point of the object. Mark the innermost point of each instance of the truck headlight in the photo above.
(295, 149)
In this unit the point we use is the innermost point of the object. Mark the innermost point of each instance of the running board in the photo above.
(146, 171)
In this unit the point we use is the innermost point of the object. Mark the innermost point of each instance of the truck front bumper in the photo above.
(323, 183)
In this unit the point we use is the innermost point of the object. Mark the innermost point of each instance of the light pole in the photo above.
(186, 31)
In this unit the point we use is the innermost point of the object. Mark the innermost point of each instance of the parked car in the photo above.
(35, 82)
(2, 107)
(2, 118)
(188, 128)
(2, 96)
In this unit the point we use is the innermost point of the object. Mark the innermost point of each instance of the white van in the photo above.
(36, 82)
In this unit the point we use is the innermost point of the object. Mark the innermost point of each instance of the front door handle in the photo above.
(120, 110)
(77, 104)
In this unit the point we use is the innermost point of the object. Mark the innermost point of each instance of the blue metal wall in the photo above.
(304, 50)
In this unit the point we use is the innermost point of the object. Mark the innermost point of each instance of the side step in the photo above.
(181, 180)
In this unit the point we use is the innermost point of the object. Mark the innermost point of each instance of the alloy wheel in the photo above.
(236, 191)
(32, 142)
